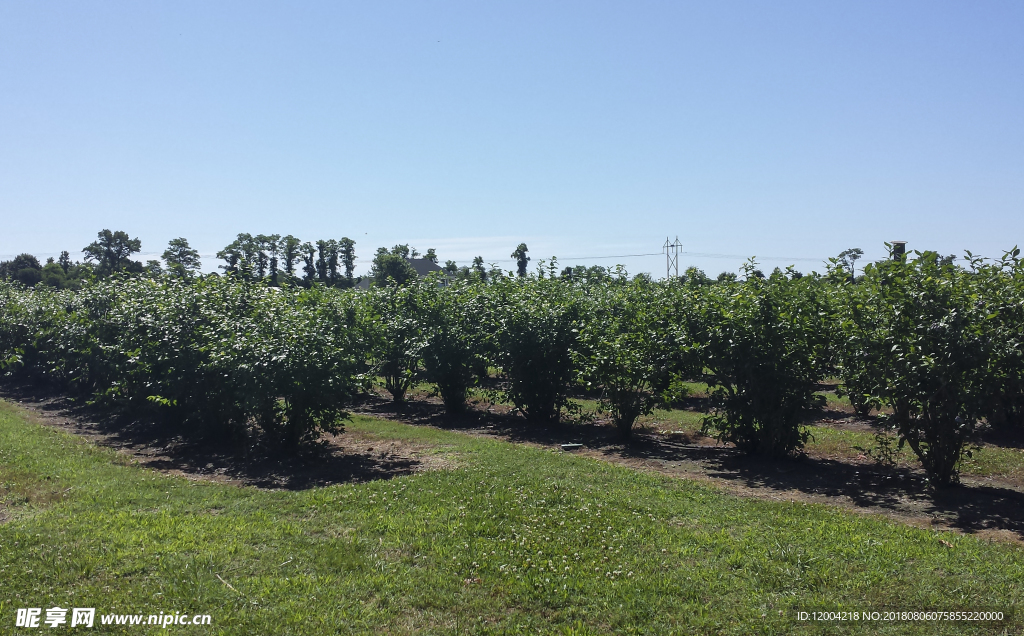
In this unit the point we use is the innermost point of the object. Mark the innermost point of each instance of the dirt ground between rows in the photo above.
(990, 509)
(351, 456)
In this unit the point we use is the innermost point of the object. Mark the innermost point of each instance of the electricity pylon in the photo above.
(672, 256)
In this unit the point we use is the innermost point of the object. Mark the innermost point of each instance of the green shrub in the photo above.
(920, 330)
(392, 323)
(635, 345)
(1002, 286)
(765, 343)
(535, 326)
(453, 344)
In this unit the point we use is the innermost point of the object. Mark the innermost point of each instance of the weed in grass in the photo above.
(885, 451)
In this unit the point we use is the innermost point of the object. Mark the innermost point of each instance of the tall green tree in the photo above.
(848, 259)
(112, 251)
(54, 275)
(274, 249)
(290, 253)
(308, 251)
(24, 268)
(231, 256)
(182, 260)
(266, 255)
(242, 256)
(695, 277)
(332, 263)
(478, 267)
(326, 261)
(347, 252)
(522, 260)
(321, 261)
(392, 267)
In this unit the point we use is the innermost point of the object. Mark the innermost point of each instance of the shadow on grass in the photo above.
(903, 491)
(1010, 437)
(899, 492)
(166, 448)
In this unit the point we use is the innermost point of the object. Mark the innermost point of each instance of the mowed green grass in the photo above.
(512, 540)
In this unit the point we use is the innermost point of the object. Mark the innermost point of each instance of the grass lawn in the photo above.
(512, 540)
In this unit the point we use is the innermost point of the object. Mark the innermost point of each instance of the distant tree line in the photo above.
(286, 260)
(279, 260)
(108, 254)
(272, 258)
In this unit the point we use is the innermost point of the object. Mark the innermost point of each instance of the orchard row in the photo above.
(938, 348)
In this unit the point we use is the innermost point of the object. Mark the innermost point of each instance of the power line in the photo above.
(560, 258)
(765, 258)
(697, 254)
(586, 258)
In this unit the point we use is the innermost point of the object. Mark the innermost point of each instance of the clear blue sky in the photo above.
(789, 129)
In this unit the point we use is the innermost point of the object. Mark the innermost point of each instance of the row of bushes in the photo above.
(216, 354)
(938, 346)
